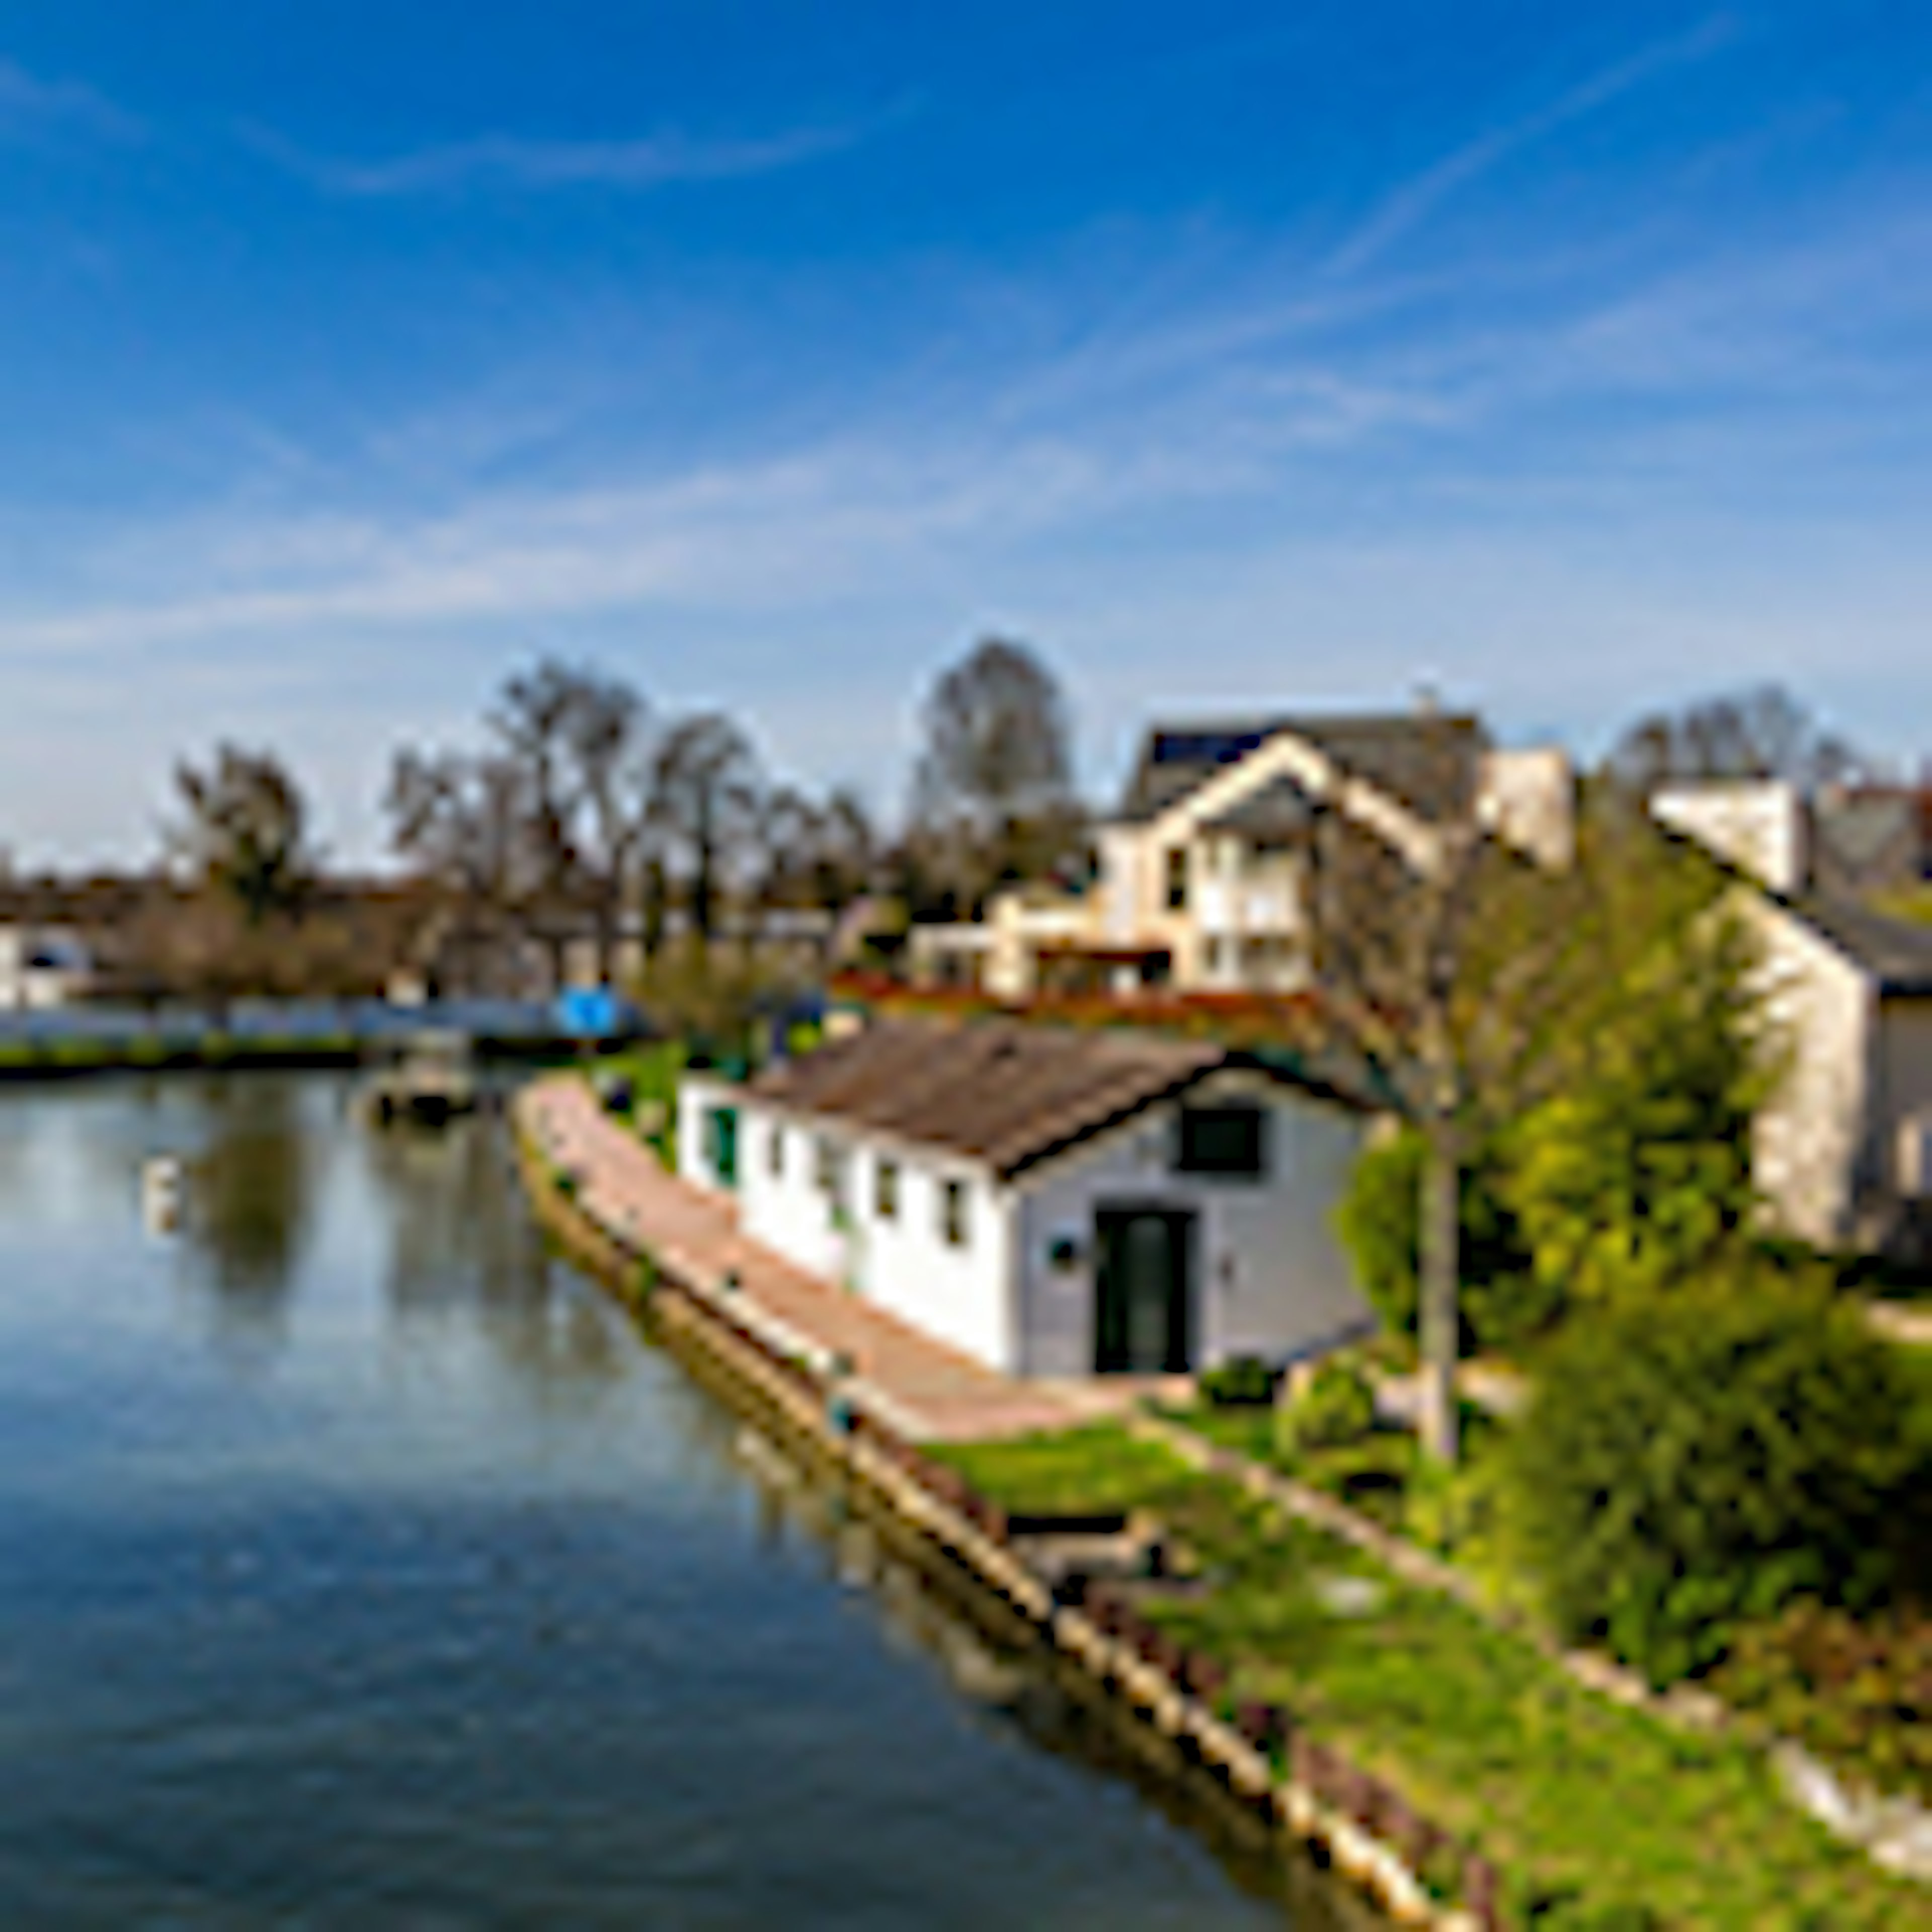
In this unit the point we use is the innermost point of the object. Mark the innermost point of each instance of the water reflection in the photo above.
(460, 1247)
(252, 1184)
(1017, 1688)
(481, 1611)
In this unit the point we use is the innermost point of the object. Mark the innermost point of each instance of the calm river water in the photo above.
(360, 1566)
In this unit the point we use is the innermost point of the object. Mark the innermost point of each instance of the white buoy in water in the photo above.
(161, 1179)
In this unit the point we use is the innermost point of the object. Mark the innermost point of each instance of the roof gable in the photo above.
(1401, 753)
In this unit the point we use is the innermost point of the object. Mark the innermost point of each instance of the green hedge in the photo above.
(1693, 1459)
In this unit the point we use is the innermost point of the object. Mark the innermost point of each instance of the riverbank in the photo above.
(1417, 1876)
(1382, 1720)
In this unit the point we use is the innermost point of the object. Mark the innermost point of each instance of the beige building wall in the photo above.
(1528, 799)
(1757, 826)
(1901, 1112)
(1812, 1137)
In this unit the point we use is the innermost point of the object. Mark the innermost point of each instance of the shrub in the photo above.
(1246, 1382)
(1858, 1693)
(1693, 1460)
(1503, 1304)
(1338, 1406)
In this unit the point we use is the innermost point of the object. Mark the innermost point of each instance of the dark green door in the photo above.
(1143, 1310)
(723, 1125)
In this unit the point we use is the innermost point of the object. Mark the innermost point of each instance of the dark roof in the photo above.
(1896, 952)
(1280, 812)
(1858, 827)
(1428, 763)
(1005, 1093)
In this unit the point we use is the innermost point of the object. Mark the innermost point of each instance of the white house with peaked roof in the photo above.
(1842, 1150)
(1203, 874)
(1052, 1202)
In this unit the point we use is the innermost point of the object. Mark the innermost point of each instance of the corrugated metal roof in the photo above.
(1004, 1093)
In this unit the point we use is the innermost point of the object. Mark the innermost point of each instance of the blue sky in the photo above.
(1568, 359)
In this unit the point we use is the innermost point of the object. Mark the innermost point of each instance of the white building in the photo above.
(42, 967)
(1203, 872)
(1842, 1150)
(1053, 1202)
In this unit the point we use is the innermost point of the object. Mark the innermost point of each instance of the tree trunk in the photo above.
(1438, 1316)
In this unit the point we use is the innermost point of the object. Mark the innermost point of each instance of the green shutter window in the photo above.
(721, 1136)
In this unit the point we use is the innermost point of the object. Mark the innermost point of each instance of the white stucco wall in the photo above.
(1811, 1137)
(697, 1094)
(960, 1294)
(1270, 1276)
(1756, 825)
(1271, 1279)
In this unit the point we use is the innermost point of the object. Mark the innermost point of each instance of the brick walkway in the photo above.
(917, 1385)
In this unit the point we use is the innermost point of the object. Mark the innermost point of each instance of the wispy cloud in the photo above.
(515, 162)
(1416, 200)
(30, 105)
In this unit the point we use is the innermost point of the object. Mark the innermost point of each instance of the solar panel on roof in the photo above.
(1204, 748)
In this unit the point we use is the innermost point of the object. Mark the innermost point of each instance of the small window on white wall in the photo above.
(775, 1151)
(886, 1190)
(953, 1205)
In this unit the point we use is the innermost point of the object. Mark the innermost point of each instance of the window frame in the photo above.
(885, 1190)
(1188, 1157)
(1178, 878)
(954, 1214)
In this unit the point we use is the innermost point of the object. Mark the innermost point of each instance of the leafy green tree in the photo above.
(1593, 1039)
(1503, 1303)
(1694, 1460)
(1638, 1174)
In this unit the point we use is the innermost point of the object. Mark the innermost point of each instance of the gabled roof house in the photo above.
(1053, 1202)
(1202, 870)
(1843, 1149)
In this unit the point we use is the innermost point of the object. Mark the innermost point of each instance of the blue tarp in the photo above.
(590, 1013)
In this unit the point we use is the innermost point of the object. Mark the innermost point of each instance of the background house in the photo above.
(1053, 1202)
(42, 966)
(1203, 874)
(1843, 1150)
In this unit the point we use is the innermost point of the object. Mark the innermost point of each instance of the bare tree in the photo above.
(1761, 733)
(244, 830)
(707, 785)
(847, 856)
(996, 768)
(790, 832)
(1460, 981)
(613, 796)
(464, 820)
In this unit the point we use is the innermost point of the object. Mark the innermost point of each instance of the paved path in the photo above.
(918, 1385)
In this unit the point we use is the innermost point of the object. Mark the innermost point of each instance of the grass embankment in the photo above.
(1598, 1816)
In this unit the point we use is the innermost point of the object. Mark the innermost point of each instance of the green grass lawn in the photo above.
(1591, 1810)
